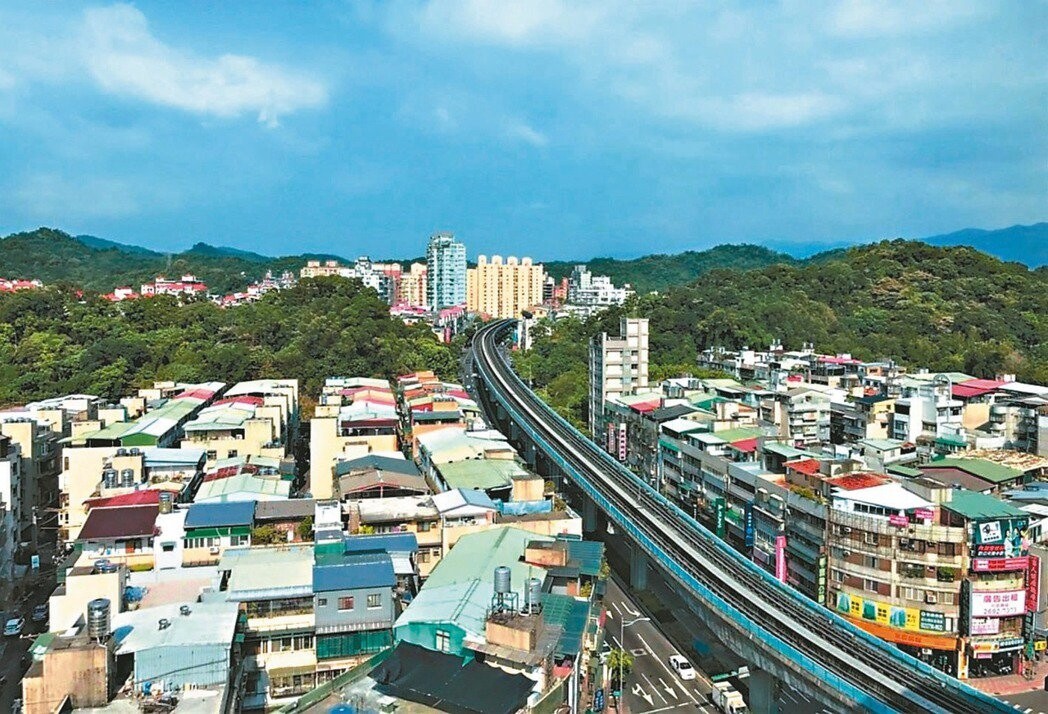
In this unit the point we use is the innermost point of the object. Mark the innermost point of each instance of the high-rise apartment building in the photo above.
(413, 286)
(502, 289)
(618, 366)
(446, 271)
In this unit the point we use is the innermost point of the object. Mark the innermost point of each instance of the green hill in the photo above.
(924, 306)
(658, 272)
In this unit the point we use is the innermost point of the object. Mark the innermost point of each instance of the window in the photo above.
(869, 585)
(870, 539)
(65, 463)
(443, 638)
(321, 602)
(869, 561)
(167, 547)
(374, 601)
(424, 526)
(423, 555)
(232, 453)
(345, 603)
(238, 540)
(212, 455)
(838, 576)
(910, 593)
(946, 598)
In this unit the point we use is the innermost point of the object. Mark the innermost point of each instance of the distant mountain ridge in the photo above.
(101, 264)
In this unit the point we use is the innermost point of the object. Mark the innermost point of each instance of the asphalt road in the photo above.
(652, 686)
(13, 650)
(1029, 702)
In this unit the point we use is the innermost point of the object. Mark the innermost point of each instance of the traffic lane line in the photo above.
(673, 675)
(655, 689)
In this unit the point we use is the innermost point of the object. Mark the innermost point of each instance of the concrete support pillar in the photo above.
(763, 692)
(531, 456)
(589, 515)
(638, 568)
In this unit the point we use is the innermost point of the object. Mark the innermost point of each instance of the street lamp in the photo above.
(622, 644)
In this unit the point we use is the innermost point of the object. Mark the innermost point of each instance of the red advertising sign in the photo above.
(1033, 583)
(925, 514)
(900, 521)
(989, 550)
(780, 558)
(998, 565)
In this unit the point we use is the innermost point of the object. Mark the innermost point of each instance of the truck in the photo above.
(728, 699)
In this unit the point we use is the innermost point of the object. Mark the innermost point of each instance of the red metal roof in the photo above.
(120, 522)
(976, 387)
(135, 498)
(852, 482)
(242, 399)
(805, 466)
(744, 445)
(645, 407)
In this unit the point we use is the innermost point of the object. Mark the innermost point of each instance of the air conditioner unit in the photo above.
(931, 598)
(845, 553)
(213, 550)
(904, 541)
(846, 529)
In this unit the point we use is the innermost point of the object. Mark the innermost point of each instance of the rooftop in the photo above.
(270, 572)
(398, 508)
(459, 502)
(986, 470)
(284, 508)
(354, 570)
(977, 506)
(888, 495)
(856, 481)
(883, 444)
(213, 515)
(208, 623)
(244, 486)
(120, 522)
(482, 474)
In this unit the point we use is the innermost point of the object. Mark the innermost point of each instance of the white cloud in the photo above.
(527, 134)
(535, 22)
(124, 58)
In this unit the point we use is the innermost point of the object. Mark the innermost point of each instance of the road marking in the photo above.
(663, 709)
(655, 689)
(638, 691)
(617, 607)
(669, 690)
(664, 665)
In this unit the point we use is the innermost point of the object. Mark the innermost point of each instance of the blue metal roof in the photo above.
(356, 571)
(383, 542)
(476, 497)
(211, 515)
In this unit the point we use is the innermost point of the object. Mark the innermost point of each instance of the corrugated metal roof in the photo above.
(374, 461)
(976, 506)
(481, 474)
(205, 515)
(387, 542)
(208, 623)
(261, 573)
(119, 522)
(244, 486)
(355, 571)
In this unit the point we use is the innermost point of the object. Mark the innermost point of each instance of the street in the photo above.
(652, 686)
(1029, 702)
(13, 650)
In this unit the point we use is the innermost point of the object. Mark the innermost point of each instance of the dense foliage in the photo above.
(941, 308)
(53, 342)
(95, 264)
(658, 272)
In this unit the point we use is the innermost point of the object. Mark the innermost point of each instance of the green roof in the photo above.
(986, 470)
(907, 471)
(481, 474)
(588, 553)
(570, 614)
(739, 433)
(784, 450)
(980, 506)
(708, 402)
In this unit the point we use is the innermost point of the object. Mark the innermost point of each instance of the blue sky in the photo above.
(550, 128)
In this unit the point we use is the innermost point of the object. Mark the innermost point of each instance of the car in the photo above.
(682, 667)
(14, 627)
(40, 612)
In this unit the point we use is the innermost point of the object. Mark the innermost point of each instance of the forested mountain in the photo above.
(1025, 244)
(101, 265)
(941, 308)
(658, 272)
(52, 342)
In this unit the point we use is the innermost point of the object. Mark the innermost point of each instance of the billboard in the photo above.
(822, 578)
(998, 565)
(1001, 538)
(1001, 603)
(1033, 583)
(613, 439)
(985, 626)
(622, 442)
(718, 511)
(902, 618)
(748, 530)
(780, 558)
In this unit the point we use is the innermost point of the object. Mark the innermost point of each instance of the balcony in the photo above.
(293, 622)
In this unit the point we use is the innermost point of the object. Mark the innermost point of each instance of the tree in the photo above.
(619, 660)
(304, 530)
(265, 535)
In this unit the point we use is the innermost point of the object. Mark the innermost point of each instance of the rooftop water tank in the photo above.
(98, 618)
(503, 583)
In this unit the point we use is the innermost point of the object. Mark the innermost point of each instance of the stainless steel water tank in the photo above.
(98, 618)
(503, 584)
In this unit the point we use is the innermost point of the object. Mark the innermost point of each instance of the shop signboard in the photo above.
(898, 521)
(1000, 603)
(924, 514)
(613, 439)
(748, 526)
(1033, 583)
(780, 558)
(998, 565)
(985, 626)
(822, 578)
(901, 618)
(622, 442)
(718, 511)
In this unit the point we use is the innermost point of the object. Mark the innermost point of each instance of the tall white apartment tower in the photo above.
(445, 271)
(618, 366)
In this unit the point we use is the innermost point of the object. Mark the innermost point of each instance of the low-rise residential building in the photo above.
(119, 534)
(375, 476)
(246, 478)
(802, 415)
(211, 528)
(252, 419)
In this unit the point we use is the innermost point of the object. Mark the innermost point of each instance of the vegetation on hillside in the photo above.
(53, 342)
(941, 308)
(658, 272)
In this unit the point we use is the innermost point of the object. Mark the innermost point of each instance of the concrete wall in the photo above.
(199, 665)
(328, 614)
(68, 607)
(80, 672)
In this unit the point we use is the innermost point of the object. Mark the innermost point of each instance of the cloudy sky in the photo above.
(553, 128)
